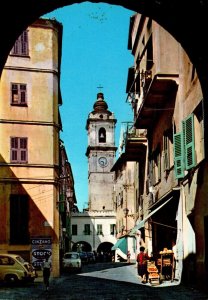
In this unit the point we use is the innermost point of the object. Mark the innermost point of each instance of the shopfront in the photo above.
(161, 233)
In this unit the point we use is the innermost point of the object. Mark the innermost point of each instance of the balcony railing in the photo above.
(130, 133)
(146, 78)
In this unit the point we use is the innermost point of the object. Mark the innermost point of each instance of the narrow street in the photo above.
(101, 281)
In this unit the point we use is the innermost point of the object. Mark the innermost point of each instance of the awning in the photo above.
(121, 244)
(142, 223)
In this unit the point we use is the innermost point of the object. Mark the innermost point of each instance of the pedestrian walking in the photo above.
(46, 272)
(142, 258)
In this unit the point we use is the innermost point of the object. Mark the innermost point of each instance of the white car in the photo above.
(72, 261)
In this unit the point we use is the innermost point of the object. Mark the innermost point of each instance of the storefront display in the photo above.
(166, 264)
(153, 276)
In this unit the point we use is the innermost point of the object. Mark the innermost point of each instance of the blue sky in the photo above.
(94, 53)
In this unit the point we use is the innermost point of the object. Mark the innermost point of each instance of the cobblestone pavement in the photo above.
(101, 281)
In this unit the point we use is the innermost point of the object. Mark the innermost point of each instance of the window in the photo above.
(18, 146)
(5, 260)
(184, 147)
(18, 94)
(99, 229)
(21, 46)
(87, 229)
(102, 135)
(19, 215)
(156, 166)
(112, 229)
(166, 150)
(74, 229)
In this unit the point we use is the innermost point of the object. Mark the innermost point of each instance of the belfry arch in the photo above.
(186, 22)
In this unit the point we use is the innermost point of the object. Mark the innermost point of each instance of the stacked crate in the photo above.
(154, 277)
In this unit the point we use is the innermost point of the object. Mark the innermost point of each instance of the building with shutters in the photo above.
(29, 156)
(166, 97)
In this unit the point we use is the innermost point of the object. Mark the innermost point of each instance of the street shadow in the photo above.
(97, 267)
(99, 288)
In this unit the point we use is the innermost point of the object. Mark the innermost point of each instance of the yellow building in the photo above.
(29, 148)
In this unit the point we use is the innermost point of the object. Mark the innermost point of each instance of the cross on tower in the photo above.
(100, 87)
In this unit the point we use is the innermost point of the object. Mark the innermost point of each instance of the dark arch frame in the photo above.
(186, 21)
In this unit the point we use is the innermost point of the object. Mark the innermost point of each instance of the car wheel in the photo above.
(11, 279)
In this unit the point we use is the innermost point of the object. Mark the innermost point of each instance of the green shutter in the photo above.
(178, 155)
(189, 148)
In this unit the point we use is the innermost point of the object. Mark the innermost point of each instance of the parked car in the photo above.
(13, 269)
(91, 257)
(71, 261)
(84, 257)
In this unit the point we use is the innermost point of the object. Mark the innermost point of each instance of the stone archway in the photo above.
(81, 246)
(104, 252)
(186, 22)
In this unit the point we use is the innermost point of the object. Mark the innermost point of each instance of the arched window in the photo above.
(102, 135)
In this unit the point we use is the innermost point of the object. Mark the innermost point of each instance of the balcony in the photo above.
(133, 143)
(159, 96)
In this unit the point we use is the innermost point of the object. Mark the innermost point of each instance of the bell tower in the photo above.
(101, 153)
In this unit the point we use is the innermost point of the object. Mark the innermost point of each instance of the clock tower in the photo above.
(101, 153)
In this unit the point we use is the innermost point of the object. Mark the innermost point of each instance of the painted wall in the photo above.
(38, 121)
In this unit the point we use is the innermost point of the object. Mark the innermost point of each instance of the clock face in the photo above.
(103, 161)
